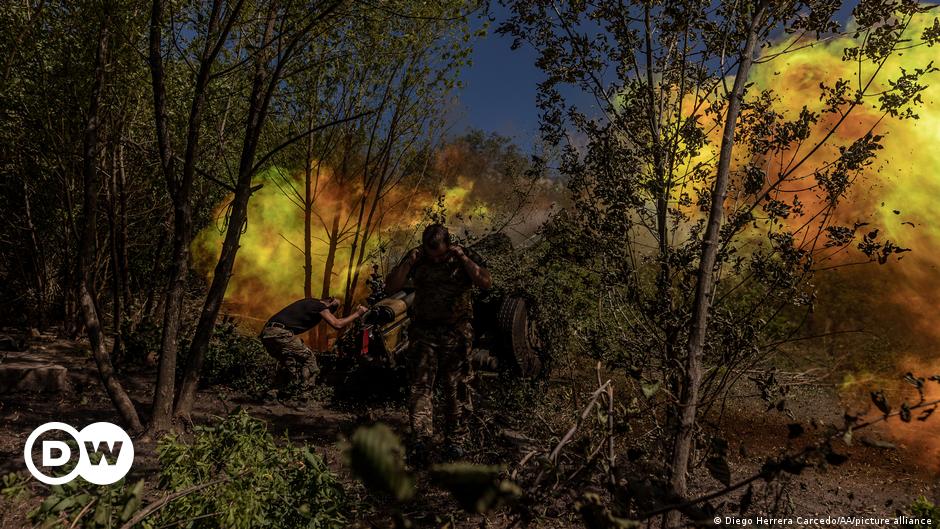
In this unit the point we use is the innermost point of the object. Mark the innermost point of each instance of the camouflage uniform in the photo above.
(440, 339)
(297, 365)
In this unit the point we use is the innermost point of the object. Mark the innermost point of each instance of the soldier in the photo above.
(297, 364)
(440, 334)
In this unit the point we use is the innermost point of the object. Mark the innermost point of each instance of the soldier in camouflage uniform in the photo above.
(297, 364)
(441, 334)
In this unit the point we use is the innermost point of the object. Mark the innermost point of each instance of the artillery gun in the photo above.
(506, 339)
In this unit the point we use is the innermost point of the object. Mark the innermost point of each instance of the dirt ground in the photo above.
(881, 477)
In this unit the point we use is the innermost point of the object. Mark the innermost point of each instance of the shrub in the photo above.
(237, 360)
(924, 509)
(260, 484)
(142, 341)
(232, 475)
(76, 504)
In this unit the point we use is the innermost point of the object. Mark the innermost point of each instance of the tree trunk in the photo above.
(180, 192)
(117, 289)
(688, 403)
(323, 334)
(38, 262)
(147, 311)
(308, 232)
(172, 317)
(123, 258)
(257, 113)
(265, 82)
(119, 397)
(313, 335)
(71, 310)
(331, 256)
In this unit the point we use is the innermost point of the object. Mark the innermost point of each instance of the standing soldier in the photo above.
(297, 364)
(441, 334)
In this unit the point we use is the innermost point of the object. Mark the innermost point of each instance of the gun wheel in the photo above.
(517, 337)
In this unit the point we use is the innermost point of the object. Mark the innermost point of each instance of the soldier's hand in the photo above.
(457, 251)
(360, 310)
(413, 255)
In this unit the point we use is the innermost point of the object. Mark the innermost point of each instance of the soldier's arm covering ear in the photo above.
(475, 266)
(396, 278)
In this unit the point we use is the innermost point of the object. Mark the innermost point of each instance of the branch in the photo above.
(763, 474)
(264, 159)
(157, 505)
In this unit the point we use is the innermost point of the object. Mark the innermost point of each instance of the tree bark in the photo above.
(257, 112)
(89, 311)
(38, 262)
(689, 397)
(180, 192)
(308, 222)
(266, 79)
(117, 274)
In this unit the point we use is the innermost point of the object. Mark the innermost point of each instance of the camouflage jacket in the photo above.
(443, 291)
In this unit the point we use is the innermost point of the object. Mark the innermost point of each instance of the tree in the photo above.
(278, 48)
(89, 235)
(219, 22)
(657, 207)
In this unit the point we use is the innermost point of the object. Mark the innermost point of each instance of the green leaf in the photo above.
(103, 514)
(719, 469)
(133, 503)
(376, 456)
(477, 488)
(64, 504)
(49, 503)
(649, 389)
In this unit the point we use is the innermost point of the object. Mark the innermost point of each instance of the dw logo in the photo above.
(108, 440)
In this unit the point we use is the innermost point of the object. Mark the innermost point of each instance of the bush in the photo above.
(261, 484)
(142, 341)
(230, 475)
(924, 509)
(76, 504)
(237, 360)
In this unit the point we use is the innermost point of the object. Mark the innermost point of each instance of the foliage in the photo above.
(238, 361)
(142, 341)
(232, 474)
(922, 508)
(260, 483)
(81, 504)
(686, 259)
(376, 457)
(77, 504)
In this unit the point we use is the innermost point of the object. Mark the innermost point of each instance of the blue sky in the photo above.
(500, 86)
(499, 93)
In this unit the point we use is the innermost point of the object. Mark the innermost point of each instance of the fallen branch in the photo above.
(574, 427)
(157, 505)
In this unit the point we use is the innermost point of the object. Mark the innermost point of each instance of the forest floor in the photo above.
(883, 475)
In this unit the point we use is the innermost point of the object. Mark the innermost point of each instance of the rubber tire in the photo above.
(512, 322)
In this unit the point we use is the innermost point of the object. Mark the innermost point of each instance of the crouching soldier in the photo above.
(297, 364)
(441, 335)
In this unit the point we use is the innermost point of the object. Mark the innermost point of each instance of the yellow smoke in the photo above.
(269, 267)
(897, 193)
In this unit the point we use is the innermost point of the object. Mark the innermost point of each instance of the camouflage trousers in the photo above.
(439, 356)
(297, 365)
